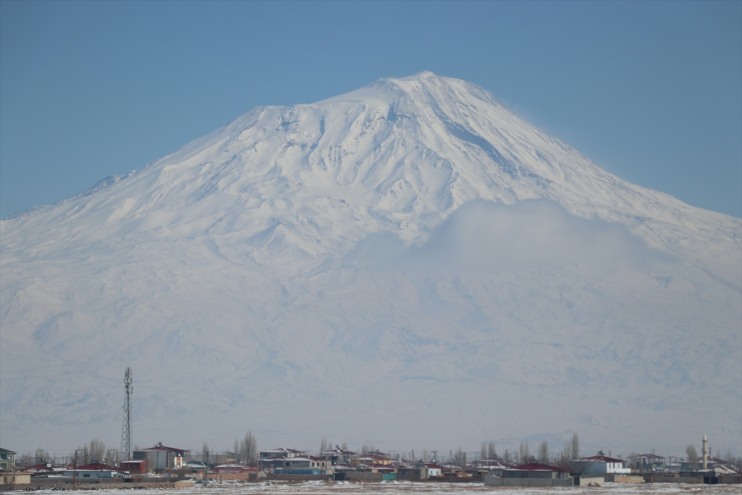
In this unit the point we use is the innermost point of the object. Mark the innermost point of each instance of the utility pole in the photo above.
(126, 423)
(74, 474)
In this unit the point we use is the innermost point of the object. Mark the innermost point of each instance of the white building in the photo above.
(434, 470)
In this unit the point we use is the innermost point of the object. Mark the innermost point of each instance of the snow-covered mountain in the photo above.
(409, 265)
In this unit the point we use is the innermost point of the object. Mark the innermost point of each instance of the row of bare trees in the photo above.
(570, 451)
(245, 451)
(95, 451)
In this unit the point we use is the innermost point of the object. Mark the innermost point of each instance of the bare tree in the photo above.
(543, 452)
(366, 449)
(112, 457)
(691, 456)
(565, 458)
(523, 455)
(491, 451)
(205, 453)
(96, 450)
(575, 446)
(41, 457)
(459, 458)
(83, 455)
(24, 461)
(249, 449)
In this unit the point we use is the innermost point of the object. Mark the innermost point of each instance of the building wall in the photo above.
(85, 473)
(159, 459)
(10, 479)
(490, 480)
(365, 476)
(514, 473)
(412, 474)
(594, 468)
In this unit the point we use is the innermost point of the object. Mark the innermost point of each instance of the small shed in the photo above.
(135, 466)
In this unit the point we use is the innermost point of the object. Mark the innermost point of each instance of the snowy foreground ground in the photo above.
(394, 488)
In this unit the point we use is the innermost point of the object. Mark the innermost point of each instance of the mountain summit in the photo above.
(388, 262)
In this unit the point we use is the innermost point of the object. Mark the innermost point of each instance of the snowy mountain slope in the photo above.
(399, 155)
(386, 261)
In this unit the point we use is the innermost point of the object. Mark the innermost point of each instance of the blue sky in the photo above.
(650, 91)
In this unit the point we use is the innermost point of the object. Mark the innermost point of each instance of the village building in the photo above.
(195, 466)
(10, 479)
(371, 459)
(712, 464)
(301, 465)
(532, 474)
(338, 456)
(600, 465)
(231, 472)
(233, 469)
(135, 467)
(161, 457)
(7, 460)
(43, 467)
(647, 463)
(268, 458)
(93, 472)
(434, 470)
(412, 473)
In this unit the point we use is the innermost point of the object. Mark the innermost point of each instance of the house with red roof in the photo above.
(435, 470)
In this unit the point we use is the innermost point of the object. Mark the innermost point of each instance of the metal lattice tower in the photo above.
(126, 423)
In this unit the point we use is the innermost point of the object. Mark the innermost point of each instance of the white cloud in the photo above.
(484, 236)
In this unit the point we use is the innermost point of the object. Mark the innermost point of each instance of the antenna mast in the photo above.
(126, 424)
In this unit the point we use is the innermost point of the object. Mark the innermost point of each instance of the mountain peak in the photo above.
(423, 86)
(399, 155)
(425, 78)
